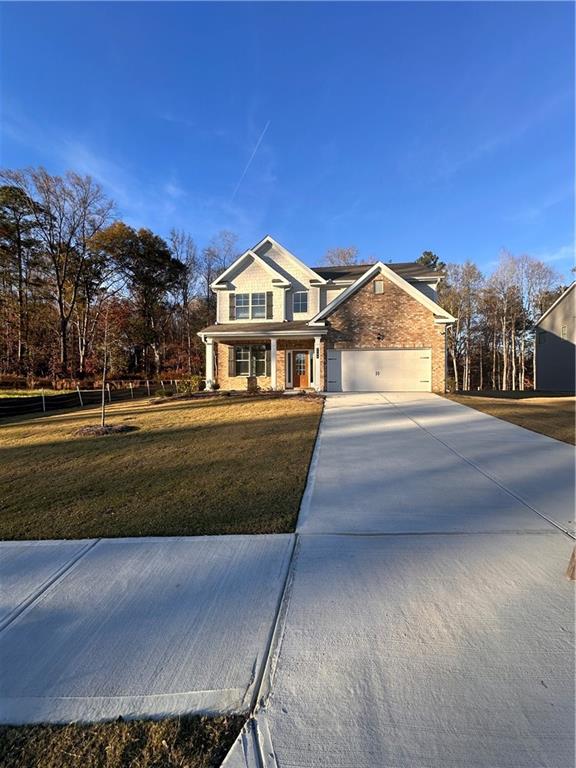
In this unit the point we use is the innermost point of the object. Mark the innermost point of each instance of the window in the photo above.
(242, 306)
(242, 360)
(300, 301)
(564, 332)
(259, 360)
(258, 305)
(378, 286)
(250, 360)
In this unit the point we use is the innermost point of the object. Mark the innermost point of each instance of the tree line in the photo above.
(73, 275)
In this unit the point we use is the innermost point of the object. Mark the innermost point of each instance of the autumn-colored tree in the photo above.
(151, 273)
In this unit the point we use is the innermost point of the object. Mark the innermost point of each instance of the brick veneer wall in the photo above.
(264, 382)
(388, 320)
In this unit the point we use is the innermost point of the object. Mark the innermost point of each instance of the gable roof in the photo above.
(312, 273)
(280, 279)
(409, 270)
(442, 316)
(555, 304)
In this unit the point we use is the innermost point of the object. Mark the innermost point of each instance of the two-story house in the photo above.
(373, 327)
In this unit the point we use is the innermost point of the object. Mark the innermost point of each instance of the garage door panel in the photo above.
(379, 370)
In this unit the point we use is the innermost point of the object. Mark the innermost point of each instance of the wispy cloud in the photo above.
(541, 208)
(249, 163)
(563, 253)
(157, 203)
(492, 144)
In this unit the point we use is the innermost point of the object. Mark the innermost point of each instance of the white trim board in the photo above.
(280, 280)
(555, 304)
(314, 276)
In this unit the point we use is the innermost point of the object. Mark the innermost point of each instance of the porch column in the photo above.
(316, 362)
(273, 353)
(209, 363)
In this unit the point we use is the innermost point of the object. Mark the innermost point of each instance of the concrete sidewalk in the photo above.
(136, 627)
(453, 648)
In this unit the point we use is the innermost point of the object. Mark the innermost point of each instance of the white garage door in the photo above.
(379, 370)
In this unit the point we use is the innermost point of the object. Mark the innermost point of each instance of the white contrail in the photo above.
(245, 171)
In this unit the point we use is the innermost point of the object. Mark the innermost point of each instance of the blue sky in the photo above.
(397, 127)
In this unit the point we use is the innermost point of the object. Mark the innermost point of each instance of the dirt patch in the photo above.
(194, 742)
(96, 430)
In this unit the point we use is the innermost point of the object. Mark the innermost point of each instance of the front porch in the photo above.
(269, 362)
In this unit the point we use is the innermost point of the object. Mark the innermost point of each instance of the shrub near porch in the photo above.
(212, 466)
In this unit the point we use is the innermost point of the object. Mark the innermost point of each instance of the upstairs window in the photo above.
(300, 302)
(242, 306)
(258, 306)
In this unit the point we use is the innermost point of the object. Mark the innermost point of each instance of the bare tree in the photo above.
(184, 249)
(67, 212)
(459, 295)
(345, 256)
(216, 258)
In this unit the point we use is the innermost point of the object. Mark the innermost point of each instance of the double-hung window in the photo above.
(250, 360)
(258, 306)
(300, 302)
(242, 360)
(242, 305)
(259, 360)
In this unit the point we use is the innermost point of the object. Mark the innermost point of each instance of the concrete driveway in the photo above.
(422, 464)
(428, 623)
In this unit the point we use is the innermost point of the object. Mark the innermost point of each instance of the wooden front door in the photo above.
(301, 370)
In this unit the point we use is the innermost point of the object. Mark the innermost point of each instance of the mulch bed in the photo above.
(95, 430)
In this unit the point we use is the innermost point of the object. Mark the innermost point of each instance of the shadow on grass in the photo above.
(208, 476)
(507, 395)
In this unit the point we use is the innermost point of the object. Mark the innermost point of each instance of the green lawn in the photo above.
(191, 742)
(207, 466)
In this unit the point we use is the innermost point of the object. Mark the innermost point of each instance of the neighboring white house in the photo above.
(554, 349)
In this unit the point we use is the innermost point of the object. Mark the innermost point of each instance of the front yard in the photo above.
(210, 466)
(194, 742)
(551, 415)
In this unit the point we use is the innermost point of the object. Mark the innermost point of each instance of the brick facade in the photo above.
(389, 320)
(264, 382)
(368, 320)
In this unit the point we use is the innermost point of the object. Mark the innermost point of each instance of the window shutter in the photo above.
(268, 353)
(232, 306)
(269, 305)
(231, 361)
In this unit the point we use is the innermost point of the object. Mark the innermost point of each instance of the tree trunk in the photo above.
(513, 351)
(63, 346)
